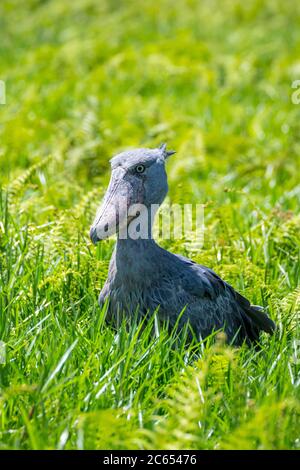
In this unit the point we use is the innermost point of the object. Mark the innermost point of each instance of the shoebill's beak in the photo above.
(112, 216)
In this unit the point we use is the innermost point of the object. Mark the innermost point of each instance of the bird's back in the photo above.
(211, 304)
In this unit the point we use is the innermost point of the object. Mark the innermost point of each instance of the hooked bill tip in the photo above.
(93, 235)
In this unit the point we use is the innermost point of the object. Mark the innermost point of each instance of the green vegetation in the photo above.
(86, 79)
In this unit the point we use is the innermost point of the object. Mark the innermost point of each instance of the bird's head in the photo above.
(138, 184)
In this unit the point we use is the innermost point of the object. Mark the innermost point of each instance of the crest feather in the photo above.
(166, 153)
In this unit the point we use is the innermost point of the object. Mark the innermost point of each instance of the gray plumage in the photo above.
(144, 277)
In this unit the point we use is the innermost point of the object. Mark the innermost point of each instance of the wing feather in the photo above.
(203, 283)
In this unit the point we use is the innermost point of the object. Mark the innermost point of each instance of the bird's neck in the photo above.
(135, 259)
(133, 251)
(134, 262)
(131, 247)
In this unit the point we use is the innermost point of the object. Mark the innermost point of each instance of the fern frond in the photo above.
(18, 185)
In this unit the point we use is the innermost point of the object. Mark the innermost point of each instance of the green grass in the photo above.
(86, 79)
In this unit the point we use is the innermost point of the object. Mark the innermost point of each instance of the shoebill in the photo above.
(143, 277)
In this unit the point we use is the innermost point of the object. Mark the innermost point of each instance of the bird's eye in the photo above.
(140, 168)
